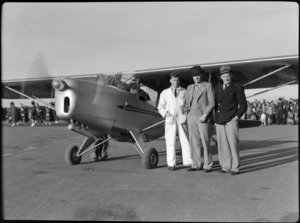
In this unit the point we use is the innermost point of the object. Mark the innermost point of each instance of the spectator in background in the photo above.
(253, 114)
(279, 114)
(290, 117)
(8, 115)
(296, 113)
(48, 122)
(249, 110)
(285, 109)
(264, 113)
(14, 114)
(274, 111)
(270, 113)
(24, 114)
(33, 114)
(38, 113)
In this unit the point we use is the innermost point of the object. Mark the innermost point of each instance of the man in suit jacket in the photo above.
(231, 104)
(200, 101)
(171, 106)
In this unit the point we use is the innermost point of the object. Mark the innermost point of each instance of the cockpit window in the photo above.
(128, 84)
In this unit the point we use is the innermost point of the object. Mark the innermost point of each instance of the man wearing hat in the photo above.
(231, 104)
(171, 106)
(200, 101)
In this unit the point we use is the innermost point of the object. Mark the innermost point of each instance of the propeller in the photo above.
(37, 69)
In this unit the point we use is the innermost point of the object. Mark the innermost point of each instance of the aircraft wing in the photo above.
(246, 71)
(254, 73)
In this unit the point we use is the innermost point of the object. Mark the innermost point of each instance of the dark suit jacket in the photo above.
(229, 103)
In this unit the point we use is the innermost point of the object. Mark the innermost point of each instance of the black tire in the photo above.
(150, 158)
(71, 157)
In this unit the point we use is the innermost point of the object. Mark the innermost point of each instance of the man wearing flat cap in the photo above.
(231, 104)
(200, 101)
(171, 107)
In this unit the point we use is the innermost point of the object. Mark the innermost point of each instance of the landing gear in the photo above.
(71, 157)
(100, 152)
(150, 158)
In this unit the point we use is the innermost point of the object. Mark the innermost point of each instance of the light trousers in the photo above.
(199, 132)
(170, 136)
(228, 146)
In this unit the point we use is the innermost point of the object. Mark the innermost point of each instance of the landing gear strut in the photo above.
(98, 146)
(149, 157)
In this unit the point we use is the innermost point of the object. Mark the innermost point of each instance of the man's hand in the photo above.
(202, 118)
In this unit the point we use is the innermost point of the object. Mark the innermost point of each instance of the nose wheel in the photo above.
(70, 155)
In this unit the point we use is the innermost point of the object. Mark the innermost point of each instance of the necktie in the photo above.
(225, 86)
(175, 93)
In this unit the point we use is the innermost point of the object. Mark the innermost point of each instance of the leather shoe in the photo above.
(222, 171)
(192, 169)
(234, 172)
(207, 170)
(171, 168)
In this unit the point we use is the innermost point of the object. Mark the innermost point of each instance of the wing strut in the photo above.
(267, 75)
(271, 89)
(44, 103)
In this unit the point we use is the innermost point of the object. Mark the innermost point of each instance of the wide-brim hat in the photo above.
(225, 69)
(197, 71)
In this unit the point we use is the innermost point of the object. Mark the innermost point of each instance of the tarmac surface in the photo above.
(37, 184)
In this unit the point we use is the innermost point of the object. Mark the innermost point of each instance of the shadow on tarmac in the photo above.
(268, 159)
(249, 163)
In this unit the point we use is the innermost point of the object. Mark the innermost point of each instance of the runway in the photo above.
(37, 184)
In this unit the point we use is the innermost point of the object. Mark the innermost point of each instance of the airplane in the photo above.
(101, 107)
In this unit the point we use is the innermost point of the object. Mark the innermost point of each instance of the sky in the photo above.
(85, 38)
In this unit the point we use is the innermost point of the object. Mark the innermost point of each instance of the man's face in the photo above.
(197, 79)
(174, 82)
(226, 78)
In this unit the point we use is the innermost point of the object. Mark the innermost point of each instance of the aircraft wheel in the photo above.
(71, 157)
(150, 158)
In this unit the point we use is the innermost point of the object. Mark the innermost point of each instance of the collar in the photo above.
(175, 88)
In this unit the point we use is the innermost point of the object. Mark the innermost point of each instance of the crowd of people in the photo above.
(29, 115)
(279, 112)
(274, 112)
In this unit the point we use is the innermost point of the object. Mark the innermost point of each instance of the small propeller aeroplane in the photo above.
(101, 106)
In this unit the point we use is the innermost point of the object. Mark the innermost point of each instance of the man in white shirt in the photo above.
(172, 107)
